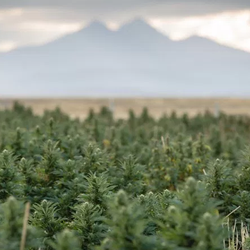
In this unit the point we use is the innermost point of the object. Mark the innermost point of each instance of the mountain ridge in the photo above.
(134, 60)
(134, 21)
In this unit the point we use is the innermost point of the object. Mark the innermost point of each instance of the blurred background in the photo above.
(187, 55)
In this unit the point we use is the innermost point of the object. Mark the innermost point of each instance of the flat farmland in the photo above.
(157, 106)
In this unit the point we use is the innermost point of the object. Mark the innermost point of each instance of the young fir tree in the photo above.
(65, 240)
(97, 190)
(70, 185)
(11, 226)
(127, 224)
(244, 177)
(192, 223)
(50, 162)
(10, 177)
(27, 169)
(155, 205)
(94, 160)
(87, 222)
(45, 217)
(130, 176)
(221, 184)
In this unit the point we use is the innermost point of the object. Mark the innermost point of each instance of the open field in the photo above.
(157, 106)
(140, 183)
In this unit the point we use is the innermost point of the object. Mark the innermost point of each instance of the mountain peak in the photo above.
(96, 25)
(140, 26)
(139, 22)
(136, 24)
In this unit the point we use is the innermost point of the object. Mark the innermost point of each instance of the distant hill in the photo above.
(136, 60)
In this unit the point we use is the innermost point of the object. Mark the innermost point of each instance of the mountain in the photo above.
(135, 60)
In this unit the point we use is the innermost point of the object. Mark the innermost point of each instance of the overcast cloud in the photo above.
(105, 8)
(146, 7)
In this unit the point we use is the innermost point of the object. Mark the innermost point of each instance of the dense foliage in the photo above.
(174, 183)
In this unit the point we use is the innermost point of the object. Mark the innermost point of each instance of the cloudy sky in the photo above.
(32, 22)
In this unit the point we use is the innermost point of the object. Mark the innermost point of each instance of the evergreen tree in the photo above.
(192, 222)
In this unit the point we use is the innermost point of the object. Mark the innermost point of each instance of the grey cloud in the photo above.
(105, 8)
(21, 38)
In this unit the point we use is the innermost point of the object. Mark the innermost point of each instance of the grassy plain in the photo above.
(157, 106)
